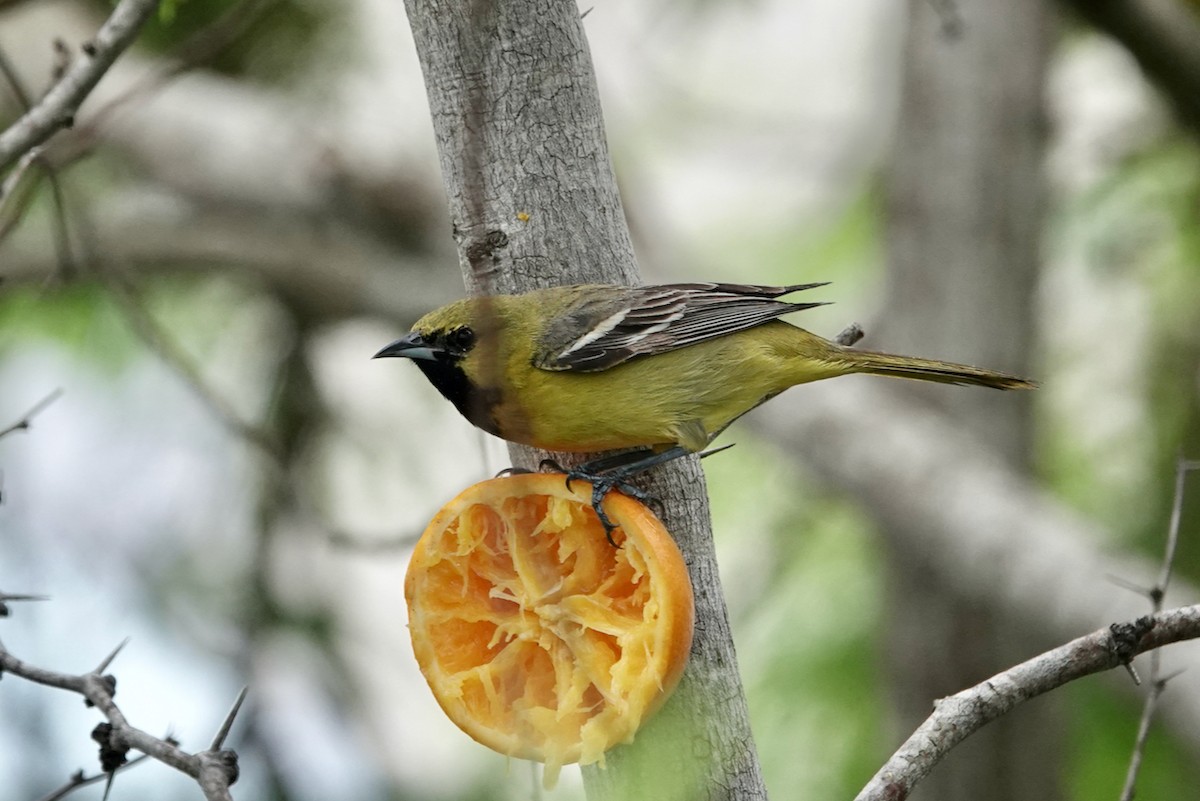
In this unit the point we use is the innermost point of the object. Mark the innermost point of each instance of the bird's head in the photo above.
(445, 336)
(445, 345)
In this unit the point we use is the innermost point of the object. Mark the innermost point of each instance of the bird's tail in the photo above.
(865, 361)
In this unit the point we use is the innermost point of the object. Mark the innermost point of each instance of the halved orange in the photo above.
(538, 638)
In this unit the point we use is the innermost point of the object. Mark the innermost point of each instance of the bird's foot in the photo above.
(615, 472)
(610, 473)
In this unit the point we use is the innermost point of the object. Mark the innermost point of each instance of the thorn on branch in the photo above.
(223, 731)
(6, 598)
(1132, 586)
(108, 659)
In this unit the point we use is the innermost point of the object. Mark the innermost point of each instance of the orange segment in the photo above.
(538, 638)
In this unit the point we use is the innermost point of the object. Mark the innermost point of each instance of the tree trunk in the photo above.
(534, 203)
(965, 202)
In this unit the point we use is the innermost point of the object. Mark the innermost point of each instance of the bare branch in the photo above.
(214, 771)
(57, 109)
(960, 715)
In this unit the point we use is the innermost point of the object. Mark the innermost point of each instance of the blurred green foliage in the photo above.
(1104, 728)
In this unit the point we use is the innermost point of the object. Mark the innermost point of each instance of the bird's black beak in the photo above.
(410, 346)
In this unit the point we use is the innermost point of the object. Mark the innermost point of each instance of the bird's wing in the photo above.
(606, 328)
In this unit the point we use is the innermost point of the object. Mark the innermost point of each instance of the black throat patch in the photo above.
(473, 403)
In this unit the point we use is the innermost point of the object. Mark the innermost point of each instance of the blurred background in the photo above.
(249, 207)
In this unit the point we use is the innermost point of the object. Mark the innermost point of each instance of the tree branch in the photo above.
(214, 769)
(957, 717)
(58, 108)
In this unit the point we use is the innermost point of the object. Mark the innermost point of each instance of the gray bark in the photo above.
(964, 222)
(534, 203)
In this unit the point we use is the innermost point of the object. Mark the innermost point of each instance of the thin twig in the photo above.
(1182, 468)
(1156, 595)
(14, 82)
(27, 419)
(1143, 734)
(67, 266)
(79, 779)
(62, 240)
(58, 108)
(14, 176)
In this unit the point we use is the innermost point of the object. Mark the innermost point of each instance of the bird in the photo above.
(658, 370)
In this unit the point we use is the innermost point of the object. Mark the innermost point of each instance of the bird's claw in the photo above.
(602, 485)
(613, 472)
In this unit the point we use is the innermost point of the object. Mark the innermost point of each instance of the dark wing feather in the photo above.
(611, 325)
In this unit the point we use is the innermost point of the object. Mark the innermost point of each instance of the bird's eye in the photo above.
(461, 339)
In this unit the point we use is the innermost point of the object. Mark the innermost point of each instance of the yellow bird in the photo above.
(663, 369)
